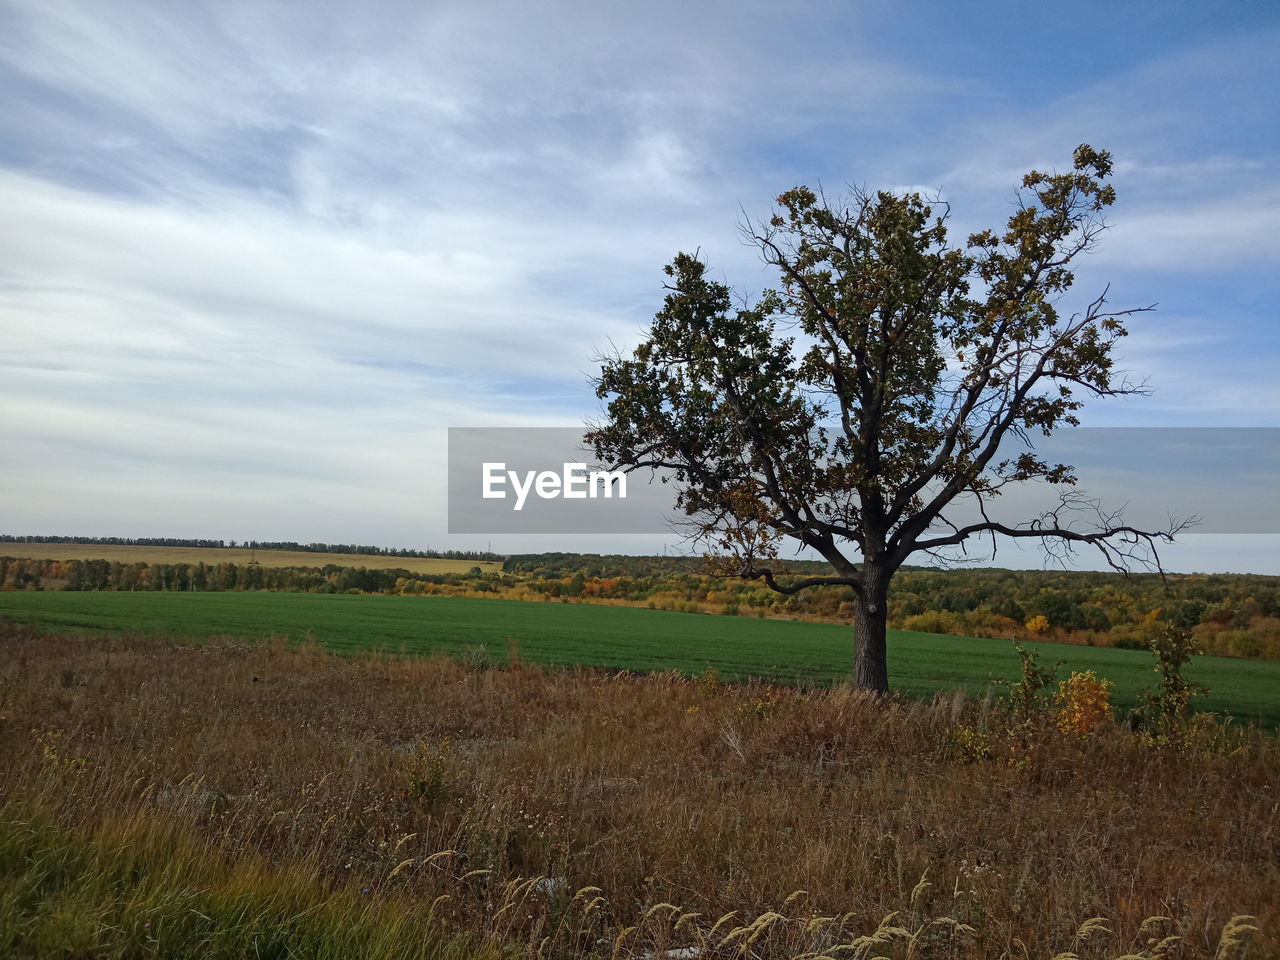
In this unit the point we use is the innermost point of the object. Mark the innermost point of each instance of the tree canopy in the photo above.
(875, 403)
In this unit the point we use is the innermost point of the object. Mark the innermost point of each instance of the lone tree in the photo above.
(864, 405)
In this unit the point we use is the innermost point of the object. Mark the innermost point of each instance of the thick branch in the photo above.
(767, 575)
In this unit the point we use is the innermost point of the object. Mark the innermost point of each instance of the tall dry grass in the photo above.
(333, 806)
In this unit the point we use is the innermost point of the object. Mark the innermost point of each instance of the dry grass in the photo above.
(613, 815)
(134, 553)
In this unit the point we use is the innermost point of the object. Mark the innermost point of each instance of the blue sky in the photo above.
(256, 257)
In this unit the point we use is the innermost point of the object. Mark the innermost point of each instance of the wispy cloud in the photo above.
(257, 257)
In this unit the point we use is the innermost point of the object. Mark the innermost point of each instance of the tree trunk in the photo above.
(870, 666)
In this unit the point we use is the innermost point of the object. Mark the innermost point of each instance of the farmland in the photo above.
(564, 635)
(136, 553)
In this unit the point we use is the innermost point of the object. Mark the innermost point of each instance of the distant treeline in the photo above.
(621, 565)
(356, 548)
(26, 574)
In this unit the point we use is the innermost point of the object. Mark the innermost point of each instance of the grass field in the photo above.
(199, 801)
(130, 553)
(620, 637)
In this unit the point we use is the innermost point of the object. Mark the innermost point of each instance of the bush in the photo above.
(1025, 703)
(1083, 703)
(1165, 709)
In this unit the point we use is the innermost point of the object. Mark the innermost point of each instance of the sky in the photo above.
(256, 258)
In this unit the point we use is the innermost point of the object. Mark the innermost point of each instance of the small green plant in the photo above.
(1166, 709)
(709, 682)
(1025, 704)
(428, 775)
(968, 745)
(477, 657)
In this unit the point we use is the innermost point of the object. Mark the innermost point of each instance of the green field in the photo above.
(620, 637)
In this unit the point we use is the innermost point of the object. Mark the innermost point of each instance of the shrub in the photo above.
(1025, 703)
(1038, 626)
(1083, 703)
(968, 745)
(1166, 708)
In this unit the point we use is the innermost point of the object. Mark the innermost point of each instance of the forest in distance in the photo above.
(290, 545)
(1234, 615)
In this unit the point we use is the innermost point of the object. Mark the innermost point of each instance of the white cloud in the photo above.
(1231, 234)
(250, 249)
